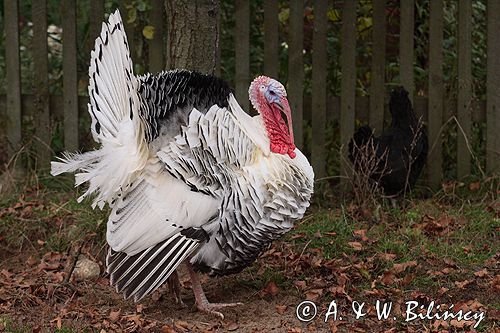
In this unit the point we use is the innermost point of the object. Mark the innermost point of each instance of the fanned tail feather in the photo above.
(114, 108)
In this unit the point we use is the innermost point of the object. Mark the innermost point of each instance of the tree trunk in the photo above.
(193, 35)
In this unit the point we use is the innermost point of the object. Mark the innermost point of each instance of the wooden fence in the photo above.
(319, 107)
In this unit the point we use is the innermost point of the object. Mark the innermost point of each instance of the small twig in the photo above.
(72, 266)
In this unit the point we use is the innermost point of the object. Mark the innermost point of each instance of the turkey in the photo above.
(189, 176)
(401, 150)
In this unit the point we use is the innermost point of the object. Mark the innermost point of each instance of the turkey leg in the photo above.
(174, 286)
(202, 304)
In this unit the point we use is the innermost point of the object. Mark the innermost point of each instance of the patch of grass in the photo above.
(10, 327)
(316, 229)
(45, 209)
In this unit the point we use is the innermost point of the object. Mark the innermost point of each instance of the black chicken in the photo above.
(401, 151)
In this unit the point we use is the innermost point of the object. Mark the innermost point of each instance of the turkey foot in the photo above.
(202, 304)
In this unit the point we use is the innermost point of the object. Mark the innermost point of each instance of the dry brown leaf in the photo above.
(462, 284)
(271, 289)
(114, 315)
(473, 187)
(362, 234)
(398, 268)
(481, 273)
(388, 278)
(295, 330)
(357, 246)
(281, 309)
(387, 256)
(314, 294)
(168, 329)
(233, 327)
(300, 284)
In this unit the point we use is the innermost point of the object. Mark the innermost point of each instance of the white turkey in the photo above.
(189, 176)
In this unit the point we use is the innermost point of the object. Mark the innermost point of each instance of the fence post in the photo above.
(242, 52)
(70, 78)
(41, 83)
(13, 70)
(271, 39)
(377, 85)
(406, 45)
(435, 159)
(464, 101)
(296, 69)
(348, 84)
(493, 88)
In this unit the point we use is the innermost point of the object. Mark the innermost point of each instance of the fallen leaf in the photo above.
(233, 327)
(281, 309)
(357, 246)
(481, 273)
(398, 268)
(361, 233)
(388, 278)
(168, 329)
(462, 284)
(300, 284)
(473, 187)
(271, 289)
(114, 315)
(314, 294)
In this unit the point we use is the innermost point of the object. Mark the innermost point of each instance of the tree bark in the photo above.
(193, 35)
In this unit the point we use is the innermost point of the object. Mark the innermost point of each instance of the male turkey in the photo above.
(190, 177)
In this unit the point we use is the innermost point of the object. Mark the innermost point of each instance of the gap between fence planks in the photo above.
(296, 69)
(436, 89)
(319, 65)
(348, 84)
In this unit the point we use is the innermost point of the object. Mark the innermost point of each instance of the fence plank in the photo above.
(436, 95)
(296, 69)
(348, 85)
(13, 70)
(157, 20)
(319, 70)
(70, 78)
(271, 41)
(95, 21)
(406, 44)
(377, 86)
(242, 52)
(464, 87)
(493, 88)
(41, 83)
